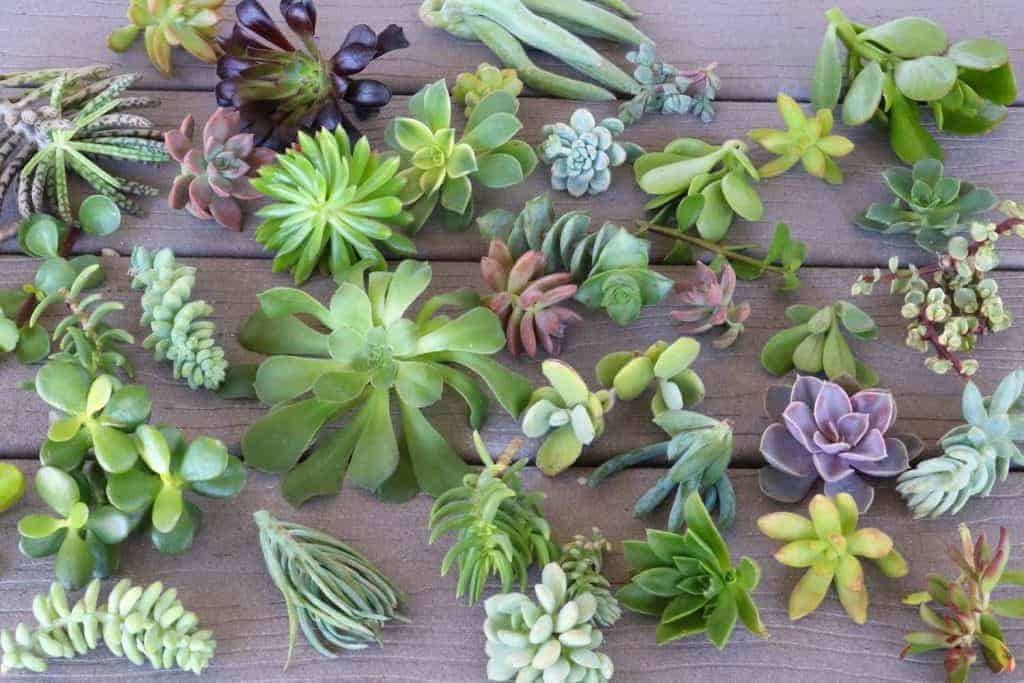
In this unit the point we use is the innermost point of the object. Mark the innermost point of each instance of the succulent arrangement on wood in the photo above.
(628, 374)
(280, 88)
(190, 24)
(583, 152)
(666, 90)
(473, 88)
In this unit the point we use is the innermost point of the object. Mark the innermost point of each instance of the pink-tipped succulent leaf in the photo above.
(707, 302)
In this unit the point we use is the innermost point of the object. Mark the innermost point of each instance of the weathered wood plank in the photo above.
(929, 405)
(762, 47)
(223, 579)
(820, 214)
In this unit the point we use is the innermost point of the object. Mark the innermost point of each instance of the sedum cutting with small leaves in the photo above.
(666, 90)
(583, 564)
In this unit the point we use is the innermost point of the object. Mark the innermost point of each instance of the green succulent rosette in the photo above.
(807, 140)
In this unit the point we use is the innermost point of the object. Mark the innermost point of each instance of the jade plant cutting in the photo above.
(664, 89)
(809, 141)
(12, 486)
(190, 24)
(583, 152)
(690, 583)
(358, 358)
(897, 68)
(281, 88)
(440, 166)
(662, 365)
(829, 545)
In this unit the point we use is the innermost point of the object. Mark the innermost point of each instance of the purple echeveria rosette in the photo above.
(824, 433)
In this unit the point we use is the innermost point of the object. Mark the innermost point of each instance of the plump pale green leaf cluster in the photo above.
(666, 90)
(356, 357)
(689, 582)
(928, 204)
(895, 69)
(665, 366)
(583, 152)
(975, 455)
(583, 564)
(551, 639)
(807, 140)
(334, 204)
(12, 486)
(566, 414)
(144, 625)
(702, 185)
(438, 166)
(190, 24)
(472, 88)
(829, 544)
(180, 332)
(500, 527)
(611, 266)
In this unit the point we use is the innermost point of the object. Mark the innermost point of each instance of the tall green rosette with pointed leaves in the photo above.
(440, 167)
(689, 582)
(358, 357)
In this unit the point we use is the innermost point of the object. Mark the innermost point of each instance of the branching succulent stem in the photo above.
(29, 307)
(724, 251)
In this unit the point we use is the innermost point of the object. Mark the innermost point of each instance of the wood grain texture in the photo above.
(929, 405)
(224, 581)
(819, 214)
(761, 47)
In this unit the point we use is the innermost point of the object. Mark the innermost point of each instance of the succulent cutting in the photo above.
(583, 152)
(472, 88)
(895, 69)
(707, 302)
(215, 176)
(829, 545)
(961, 613)
(666, 366)
(666, 90)
(165, 24)
(928, 204)
(816, 344)
(360, 355)
(821, 432)
(12, 486)
(583, 564)
(551, 27)
(440, 167)
(975, 455)
(689, 582)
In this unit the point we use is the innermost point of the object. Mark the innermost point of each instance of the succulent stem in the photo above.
(722, 250)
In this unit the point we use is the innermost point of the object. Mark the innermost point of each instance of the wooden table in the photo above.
(762, 48)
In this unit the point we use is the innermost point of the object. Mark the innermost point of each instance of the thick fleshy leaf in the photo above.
(375, 455)
(827, 80)
(510, 388)
(283, 301)
(722, 620)
(436, 465)
(133, 490)
(677, 357)
(926, 79)
(809, 591)
(180, 538)
(63, 385)
(566, 382)
(74, 564)
(153, 449)
(99, 215)
(283, 378)
(559, 451)
(110, 525)
(57, 489)
(419, 384)
(786, 526)
(115, 451)
(127, 408)
(228, 484)
(864, 96)
(908, 37)
(850, 586)
(700, 523)
(854, 486)
(38, 526)
(825, 517)
(870, 542)
(205, 458)
(275, 442)
(784, 453)
(167, 508)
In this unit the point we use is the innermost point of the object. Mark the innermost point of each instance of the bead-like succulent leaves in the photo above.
(527, 300)
(630, 373)
(690, 583)
(707, 302)
(968, 622)
(583, 564)
(335, 205)
(552, 639)
(583, 152)
(829, 544)
(440, 167)
(472, 88)
(281, 89)
(809, 141)
(975, 455)
(359, 355)
(824, 433)
(215, 175)
(191, 24)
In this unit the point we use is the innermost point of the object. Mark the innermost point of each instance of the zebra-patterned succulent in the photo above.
(583, 152)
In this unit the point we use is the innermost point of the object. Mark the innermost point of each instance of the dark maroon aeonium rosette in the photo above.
(824, 433)
(281, 88)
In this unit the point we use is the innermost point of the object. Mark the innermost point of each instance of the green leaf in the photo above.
(38, 526)
(498, 171)
(926, 79)
(9, 335)
(660, 581)
(636, 599)
(180, 538)
(436, 465)
(437, 106)
(722, 620)
(716, 218)
(167, 508)
(57, 489)
(132, 491)
(559, 451)
(418, 384)
(322, 473)
(99, 215)
(982, 54)
(1009, 607)
(283, 301)
(227, 484)
(283, 378)
(205, 458)
(375, 455)
(639, 556)
(856, 321)
(777, 355)
(412, 135)
(153, 449)
(667, 545)
(700, 523)
(837, 359)
(115, 451)
(287, 335)
(681, 628)
(476, 331)
(864, 95)
(110, 525)
(828, 72)
(998, 85)
(275, 442)
(462, 161)
(492, 132)
(908, 138)
(39, 235)
(510, 388)
(63, 385)
(74, 563)
(741, 196)
(908, 37)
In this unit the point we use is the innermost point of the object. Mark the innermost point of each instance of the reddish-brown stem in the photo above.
(27, 308)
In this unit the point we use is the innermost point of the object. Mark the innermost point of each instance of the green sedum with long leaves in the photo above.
(360, 356)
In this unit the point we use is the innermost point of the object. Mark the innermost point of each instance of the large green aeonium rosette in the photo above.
(358, 358)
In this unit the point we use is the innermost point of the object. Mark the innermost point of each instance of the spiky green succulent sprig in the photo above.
(583, 564)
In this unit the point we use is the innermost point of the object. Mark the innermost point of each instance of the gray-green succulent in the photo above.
(666, 90)
(583, 152)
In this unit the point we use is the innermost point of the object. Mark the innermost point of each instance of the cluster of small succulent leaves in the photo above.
(895, 69)
(821, 432)
(527, 300)
(179, 331)
(61, 123)
(504, 25)
(583, 563)
(829, 545)
(566, 414)
(666, 90)
(473, 88)
(215, 175)
(698, 454)
(707, 302)
(807, 140)
(928, 204)
(190, 24)
(950, 305)
(334, 205)
(358, 355)
(146, 625)
(500, 527)
(281, 89)
(628, 374)
(332, 592)
(702, 185)
(961, 613)
(975, 455)
(816, 344)
(689, 582)
(611, 266)
(440, 167)
(582, 153)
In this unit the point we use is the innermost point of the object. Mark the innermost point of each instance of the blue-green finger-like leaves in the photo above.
(376, 451)
(437, 466)
(276, 441)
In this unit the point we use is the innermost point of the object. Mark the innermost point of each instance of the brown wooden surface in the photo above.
(762, 48)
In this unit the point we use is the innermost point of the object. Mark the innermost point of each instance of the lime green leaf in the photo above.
(908, 37)
(828, 72)
(926, 79)
(864, 95)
